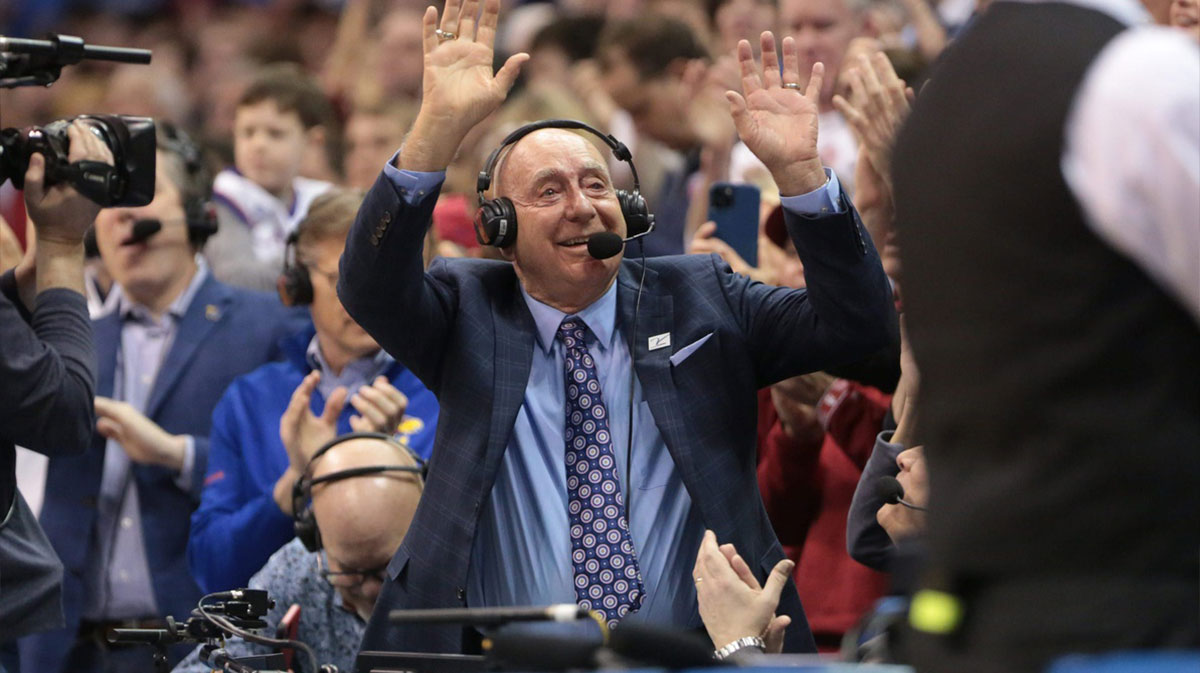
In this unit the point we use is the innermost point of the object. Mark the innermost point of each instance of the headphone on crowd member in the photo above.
(496, 219)
(198, 211)
(295, 283)
(303, 519)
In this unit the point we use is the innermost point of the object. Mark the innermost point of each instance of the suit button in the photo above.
(387, 216)
(89, 501)
(461, 593)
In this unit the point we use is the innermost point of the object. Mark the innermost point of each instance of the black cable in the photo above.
(637, 305)
(255, 638)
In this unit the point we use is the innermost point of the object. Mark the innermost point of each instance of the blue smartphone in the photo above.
(735, 208)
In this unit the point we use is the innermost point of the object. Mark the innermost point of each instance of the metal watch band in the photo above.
(740, 644)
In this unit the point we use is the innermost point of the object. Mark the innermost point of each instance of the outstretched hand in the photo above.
(458, 86)
(879, 103)
(775, 120)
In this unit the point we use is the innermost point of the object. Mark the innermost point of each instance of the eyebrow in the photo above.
(589, 169)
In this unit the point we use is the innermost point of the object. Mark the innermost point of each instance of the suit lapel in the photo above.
(655, 317)
(205, 312)
(513, 357)
(106, 334)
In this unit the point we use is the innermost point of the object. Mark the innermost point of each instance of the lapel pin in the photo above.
(212, 312)
(659, 341)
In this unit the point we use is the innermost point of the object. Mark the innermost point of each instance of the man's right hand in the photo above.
(61, 214)
(459, 88)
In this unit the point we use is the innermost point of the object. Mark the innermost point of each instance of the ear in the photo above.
(285, 297)
(508, 253)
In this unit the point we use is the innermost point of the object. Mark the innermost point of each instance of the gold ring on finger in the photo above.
(791, 85)
(444, 35)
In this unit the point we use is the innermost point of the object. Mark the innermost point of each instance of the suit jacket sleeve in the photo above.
(383, 284)
(845, 314)
(48, 369)
(230, 509)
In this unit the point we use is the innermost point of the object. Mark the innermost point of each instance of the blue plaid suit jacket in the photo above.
(464, 329)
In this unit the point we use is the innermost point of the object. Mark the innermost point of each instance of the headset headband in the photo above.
(305, 483)
(619, 150)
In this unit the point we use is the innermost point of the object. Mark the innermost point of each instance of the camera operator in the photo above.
(360, 521)
(46, 384)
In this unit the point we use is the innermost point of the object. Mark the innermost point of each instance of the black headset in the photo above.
(295, 283)
(303, 520)
(198, 211)
(496, 219)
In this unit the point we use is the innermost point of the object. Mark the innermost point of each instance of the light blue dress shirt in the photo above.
(356, 373)
(118, 583)
(522, 549)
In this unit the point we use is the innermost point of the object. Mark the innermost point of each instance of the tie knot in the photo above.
(572, 332)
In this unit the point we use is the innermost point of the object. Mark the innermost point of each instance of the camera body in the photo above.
(128, 182)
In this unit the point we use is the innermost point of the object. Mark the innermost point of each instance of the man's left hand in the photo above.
(144, 441)
(775, 120)
(732, 604)
(381, 407)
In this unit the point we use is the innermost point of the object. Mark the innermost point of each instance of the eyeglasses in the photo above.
(351, 578)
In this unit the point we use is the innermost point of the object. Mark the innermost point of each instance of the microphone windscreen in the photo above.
(889, 489)
(142, 230)
(604, 245)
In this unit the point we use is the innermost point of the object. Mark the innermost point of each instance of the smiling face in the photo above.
(562, 192)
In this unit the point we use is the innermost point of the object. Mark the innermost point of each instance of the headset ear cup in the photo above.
(635, 211)
(297, 285)
(496, 223)
(306, 530)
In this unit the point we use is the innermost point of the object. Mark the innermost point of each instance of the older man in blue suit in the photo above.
(543, 488)
(118, 514)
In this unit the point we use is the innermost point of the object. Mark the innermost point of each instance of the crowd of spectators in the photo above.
(214, 395)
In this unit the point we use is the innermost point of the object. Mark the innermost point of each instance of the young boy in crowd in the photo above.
(280, 118)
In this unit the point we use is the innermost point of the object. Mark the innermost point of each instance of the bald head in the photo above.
(363, 519)
(518, 166)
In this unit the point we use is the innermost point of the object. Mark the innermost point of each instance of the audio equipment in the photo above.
(496, 219)
(142, 231)
(201, 216)
(892, 492)
(294, 285)
(303, 519)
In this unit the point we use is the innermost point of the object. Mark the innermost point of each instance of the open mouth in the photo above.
(576, 243)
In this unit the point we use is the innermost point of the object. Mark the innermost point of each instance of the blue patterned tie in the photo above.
(607, 577)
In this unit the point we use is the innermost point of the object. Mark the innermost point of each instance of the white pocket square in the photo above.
(685, 352)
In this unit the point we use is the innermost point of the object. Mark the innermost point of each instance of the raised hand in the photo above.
(381, 407)
(777, 122)
(61, 214)
(458, 85)
(879, 103)
(303, 432)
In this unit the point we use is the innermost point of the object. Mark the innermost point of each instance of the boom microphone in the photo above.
(892, 492)
(142, 231)
(606, 244)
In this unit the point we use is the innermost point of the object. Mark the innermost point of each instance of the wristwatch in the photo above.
(738, 645)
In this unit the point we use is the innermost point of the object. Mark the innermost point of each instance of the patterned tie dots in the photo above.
(607, 577)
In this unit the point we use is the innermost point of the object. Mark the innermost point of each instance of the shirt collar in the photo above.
(127, 307)
(600, 317)
(373, 363)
